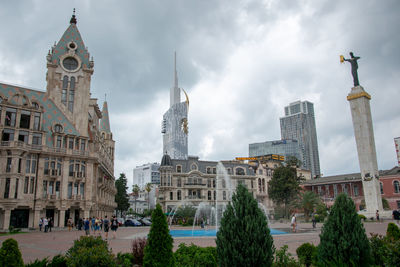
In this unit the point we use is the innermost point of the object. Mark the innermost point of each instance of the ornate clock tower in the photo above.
(69, 72)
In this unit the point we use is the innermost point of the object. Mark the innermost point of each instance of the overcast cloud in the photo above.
(241, 62)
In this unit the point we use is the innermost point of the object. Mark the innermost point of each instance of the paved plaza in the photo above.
(38, 245)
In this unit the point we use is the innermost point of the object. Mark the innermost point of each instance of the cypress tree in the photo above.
(10, 254)
(158, 251)
(244, 238)
(343, 241)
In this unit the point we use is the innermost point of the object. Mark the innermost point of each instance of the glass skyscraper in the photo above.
(280, 147)
(299, 124)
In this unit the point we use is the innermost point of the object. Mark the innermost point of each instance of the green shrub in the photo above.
(125, 259)
(322, 211)
(158, 250)
(284, 259)
(38, 263)
(194, 256)
(58, 261)
(90, 251)
(385, 204)
(138, 245)
(379, 249)
(306, 252)
(393, 232)
(343, 240)
(10, 254)
(244, 238)
(362, 217)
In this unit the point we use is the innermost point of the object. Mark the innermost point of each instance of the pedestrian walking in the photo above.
(293, 223)
(45, 224)
(86, 226)
(106, 223)
(69, 223)
(50, 223)
(114, 226)
(314, 221)
(40, 224)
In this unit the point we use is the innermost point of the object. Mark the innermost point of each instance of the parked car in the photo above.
(145, 221)
(132, 222)
(120, 221)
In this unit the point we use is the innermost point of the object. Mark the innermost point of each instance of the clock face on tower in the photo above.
(70, 63)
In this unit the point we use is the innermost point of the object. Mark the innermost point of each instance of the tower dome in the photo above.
(166, 160)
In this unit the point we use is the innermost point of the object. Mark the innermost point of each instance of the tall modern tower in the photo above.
(175, 123)
(299, 124)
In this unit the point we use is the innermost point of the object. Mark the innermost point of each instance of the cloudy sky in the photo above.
(241, 62)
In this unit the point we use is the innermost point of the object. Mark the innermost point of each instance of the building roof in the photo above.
(166, 160)
(71, 34)
(51, 113)
(105, 121)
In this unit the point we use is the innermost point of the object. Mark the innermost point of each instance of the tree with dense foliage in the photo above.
(121, 198)
(393, 232)
(306, 253)
(307, 201)
(135, 193)
(244, 238)
(283, 258)
(343, 241)
(158, 250)
(284, 186)
(10, 255)
(148, 188)
(195, 256)
(292, 161)
(90, 251)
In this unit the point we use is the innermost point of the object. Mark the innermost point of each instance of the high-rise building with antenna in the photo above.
(175, 123)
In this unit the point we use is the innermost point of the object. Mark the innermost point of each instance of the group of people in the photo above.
(46, 224)
(98, 225)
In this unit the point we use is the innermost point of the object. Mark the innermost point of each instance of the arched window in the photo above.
(179, 182)
(240, 171)
(58, 128)
(179, 195)
(193, 167)
(35, 105)
(259, 185)
(396, 186)
(71, 95)
(381, 188)
(64, 90)
(209, 195)
(171, 195)
(263, 185)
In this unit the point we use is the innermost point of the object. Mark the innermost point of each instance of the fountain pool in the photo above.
(210, 232)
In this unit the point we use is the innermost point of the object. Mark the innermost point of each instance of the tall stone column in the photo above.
(364, 134)
(36, 218)
(61, 218)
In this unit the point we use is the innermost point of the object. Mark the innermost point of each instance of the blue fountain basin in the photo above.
(211, 232)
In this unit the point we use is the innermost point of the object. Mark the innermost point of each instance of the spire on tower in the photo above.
(73, 19)
(175, 74)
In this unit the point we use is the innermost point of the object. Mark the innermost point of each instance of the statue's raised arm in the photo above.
(354, 67)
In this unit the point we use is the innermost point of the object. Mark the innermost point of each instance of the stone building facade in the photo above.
(57, 150)
(193, 181)
(329, 187)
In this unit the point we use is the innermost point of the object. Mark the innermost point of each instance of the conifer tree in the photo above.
(343, 241)
(10, 254)
(158, 251)
(244, 238)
